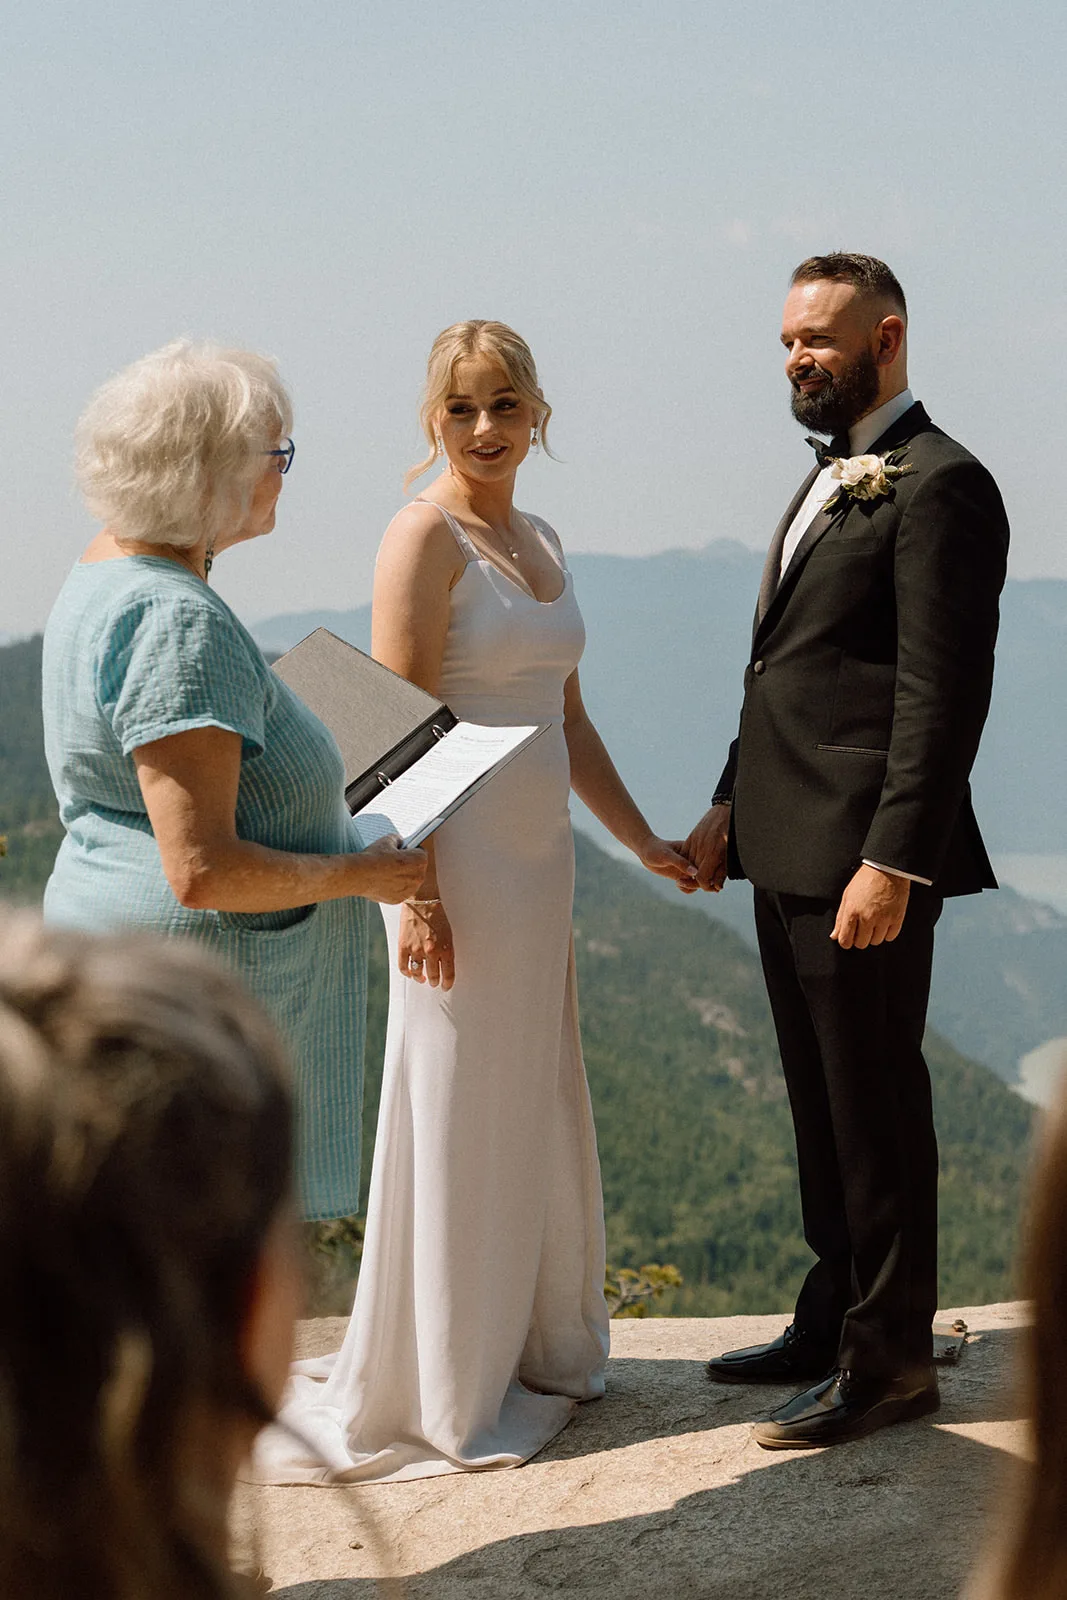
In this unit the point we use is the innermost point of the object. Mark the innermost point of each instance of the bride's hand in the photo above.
(666, 859)
(425, 950)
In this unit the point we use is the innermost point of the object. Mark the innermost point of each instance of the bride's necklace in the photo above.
(507, 540)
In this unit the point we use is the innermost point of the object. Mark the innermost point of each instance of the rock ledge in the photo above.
(658, 1492)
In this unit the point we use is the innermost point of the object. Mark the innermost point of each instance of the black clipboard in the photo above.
(382, 723)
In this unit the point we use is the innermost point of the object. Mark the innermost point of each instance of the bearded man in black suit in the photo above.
(845, 800)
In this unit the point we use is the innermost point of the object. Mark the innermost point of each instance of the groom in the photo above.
(845, 801)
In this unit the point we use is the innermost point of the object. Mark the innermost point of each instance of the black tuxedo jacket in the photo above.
(869, 682)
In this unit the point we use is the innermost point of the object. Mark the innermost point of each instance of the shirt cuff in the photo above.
(895, 872)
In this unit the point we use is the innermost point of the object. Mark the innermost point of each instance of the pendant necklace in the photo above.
(509, 540)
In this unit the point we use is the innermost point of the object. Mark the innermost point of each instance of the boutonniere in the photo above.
(866, 477)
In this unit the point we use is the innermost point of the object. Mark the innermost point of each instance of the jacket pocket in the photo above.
(861, 721)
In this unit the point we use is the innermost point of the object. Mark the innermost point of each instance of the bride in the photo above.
(479, 1319)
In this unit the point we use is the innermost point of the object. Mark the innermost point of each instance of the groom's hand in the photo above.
(872, 909)
(706, 848)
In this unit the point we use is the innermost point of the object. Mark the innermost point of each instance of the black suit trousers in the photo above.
(850, 1026)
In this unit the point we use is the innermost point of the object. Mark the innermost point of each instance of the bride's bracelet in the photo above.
(417, 905)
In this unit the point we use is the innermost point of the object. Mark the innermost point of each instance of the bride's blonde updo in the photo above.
(477, 338)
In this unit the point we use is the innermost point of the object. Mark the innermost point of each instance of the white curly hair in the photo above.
(169, 449)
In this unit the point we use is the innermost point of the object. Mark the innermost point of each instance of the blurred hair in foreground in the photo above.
(1030, 1562)
(145, 1132)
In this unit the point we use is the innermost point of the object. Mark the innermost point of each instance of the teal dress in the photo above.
(138, 649)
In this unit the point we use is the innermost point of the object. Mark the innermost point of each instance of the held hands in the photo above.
(390, 873)
(425, 951)
(666, 859)
(872, 909)
(706, 849)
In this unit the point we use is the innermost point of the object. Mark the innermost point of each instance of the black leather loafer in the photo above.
(789, 1357)
(845, 1406)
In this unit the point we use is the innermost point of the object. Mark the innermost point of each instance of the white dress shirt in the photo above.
(860, 439)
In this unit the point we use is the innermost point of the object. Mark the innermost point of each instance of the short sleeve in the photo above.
(173, 663)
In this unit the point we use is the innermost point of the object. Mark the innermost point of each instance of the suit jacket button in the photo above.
(758, 667)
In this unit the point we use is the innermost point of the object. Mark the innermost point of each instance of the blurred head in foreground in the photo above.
(1033, 1556)
(148, 1272)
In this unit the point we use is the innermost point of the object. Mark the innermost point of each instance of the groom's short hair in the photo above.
(866, 273)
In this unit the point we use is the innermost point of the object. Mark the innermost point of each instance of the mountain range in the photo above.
(1000, 966)
(668, 636)
(695, 1138)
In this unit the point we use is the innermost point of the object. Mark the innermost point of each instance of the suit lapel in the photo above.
(773, 594)
(835, 511)
(773, 564)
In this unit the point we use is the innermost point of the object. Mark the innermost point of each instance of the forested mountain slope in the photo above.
(28, 817)
(695, 1139)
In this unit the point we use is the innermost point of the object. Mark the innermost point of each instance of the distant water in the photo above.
(1041, 1071)
(1041, 878)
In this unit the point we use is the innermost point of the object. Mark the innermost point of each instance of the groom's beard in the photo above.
(841, 401)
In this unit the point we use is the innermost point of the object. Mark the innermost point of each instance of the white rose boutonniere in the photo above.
(866, 477)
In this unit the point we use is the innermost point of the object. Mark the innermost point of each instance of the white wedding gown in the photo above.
(479, 1319)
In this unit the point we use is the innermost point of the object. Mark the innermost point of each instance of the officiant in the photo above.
(199, 796)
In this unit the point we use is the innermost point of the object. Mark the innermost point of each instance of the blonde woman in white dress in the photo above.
(479, 1320)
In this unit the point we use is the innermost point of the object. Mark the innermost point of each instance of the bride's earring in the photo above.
(439, 448)
(535, 438)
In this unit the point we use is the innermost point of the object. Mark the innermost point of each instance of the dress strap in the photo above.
(550, 537)
(547, 534)
(462, 538)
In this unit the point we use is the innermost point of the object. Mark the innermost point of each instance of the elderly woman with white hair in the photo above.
(200, 797)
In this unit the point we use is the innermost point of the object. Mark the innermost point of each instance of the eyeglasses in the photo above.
(285, 453)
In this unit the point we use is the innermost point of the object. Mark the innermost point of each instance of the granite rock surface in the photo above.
(658, 1492)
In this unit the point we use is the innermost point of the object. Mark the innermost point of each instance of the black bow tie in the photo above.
(827, 454)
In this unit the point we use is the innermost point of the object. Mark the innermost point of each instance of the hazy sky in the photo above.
(628, 184)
